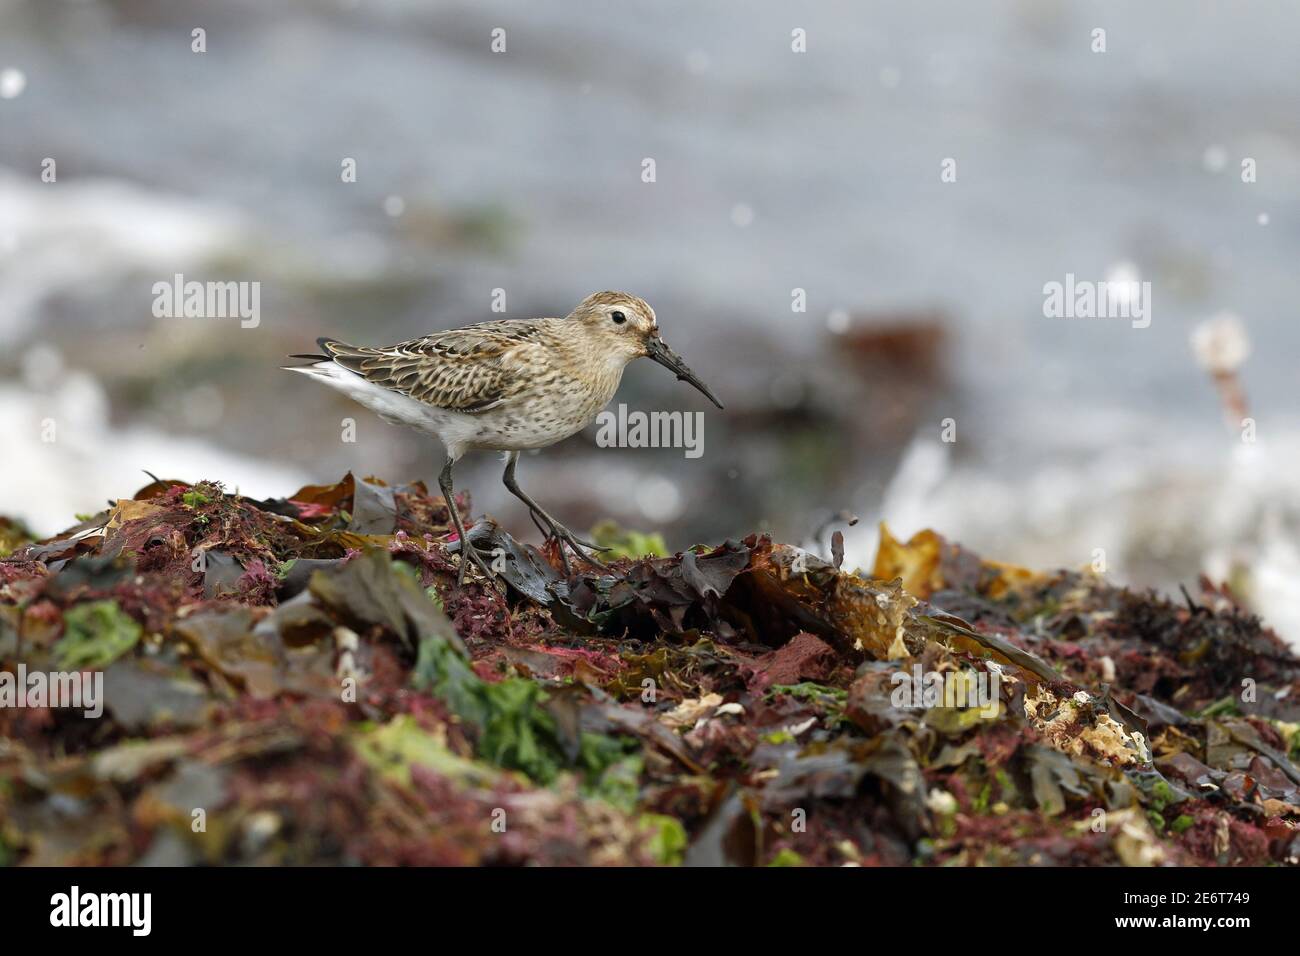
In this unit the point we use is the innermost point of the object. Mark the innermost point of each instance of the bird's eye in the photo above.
(618, 317)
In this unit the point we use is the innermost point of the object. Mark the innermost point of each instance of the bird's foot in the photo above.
(470, 555)
(553, 529)
(578, 546)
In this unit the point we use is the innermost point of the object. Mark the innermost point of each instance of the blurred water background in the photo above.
(775, 171)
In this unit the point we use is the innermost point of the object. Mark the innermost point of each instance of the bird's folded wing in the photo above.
(466, 370)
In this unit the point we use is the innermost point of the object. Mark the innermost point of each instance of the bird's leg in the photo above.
(546, 524)
(559, 545)
(539, 514)
(550, 533)
(537, 523)
(467, 551)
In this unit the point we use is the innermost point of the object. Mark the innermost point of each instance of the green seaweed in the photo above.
(669, 841)
(94, 635)
(626, 543)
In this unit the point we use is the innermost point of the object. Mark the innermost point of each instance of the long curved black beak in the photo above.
(657, 349)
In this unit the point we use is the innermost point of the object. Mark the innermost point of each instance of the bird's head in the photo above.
(624, 327)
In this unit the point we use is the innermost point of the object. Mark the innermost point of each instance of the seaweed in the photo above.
(300, 680)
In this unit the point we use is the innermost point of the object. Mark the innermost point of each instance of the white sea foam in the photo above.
(1160, 513)
(90, 461)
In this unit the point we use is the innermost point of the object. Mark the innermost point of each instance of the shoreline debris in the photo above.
(301, 681)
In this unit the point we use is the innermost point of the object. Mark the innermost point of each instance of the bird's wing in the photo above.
(470, 370)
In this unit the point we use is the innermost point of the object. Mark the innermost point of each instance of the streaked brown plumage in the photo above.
(507, 385)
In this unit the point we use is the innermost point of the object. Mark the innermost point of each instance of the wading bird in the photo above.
(507, 386)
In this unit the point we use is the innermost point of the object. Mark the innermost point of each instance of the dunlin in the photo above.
(507, 386)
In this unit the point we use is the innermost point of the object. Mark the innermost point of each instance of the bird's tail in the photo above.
(329, 348)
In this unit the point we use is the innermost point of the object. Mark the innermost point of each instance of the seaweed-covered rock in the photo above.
(300, 680)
